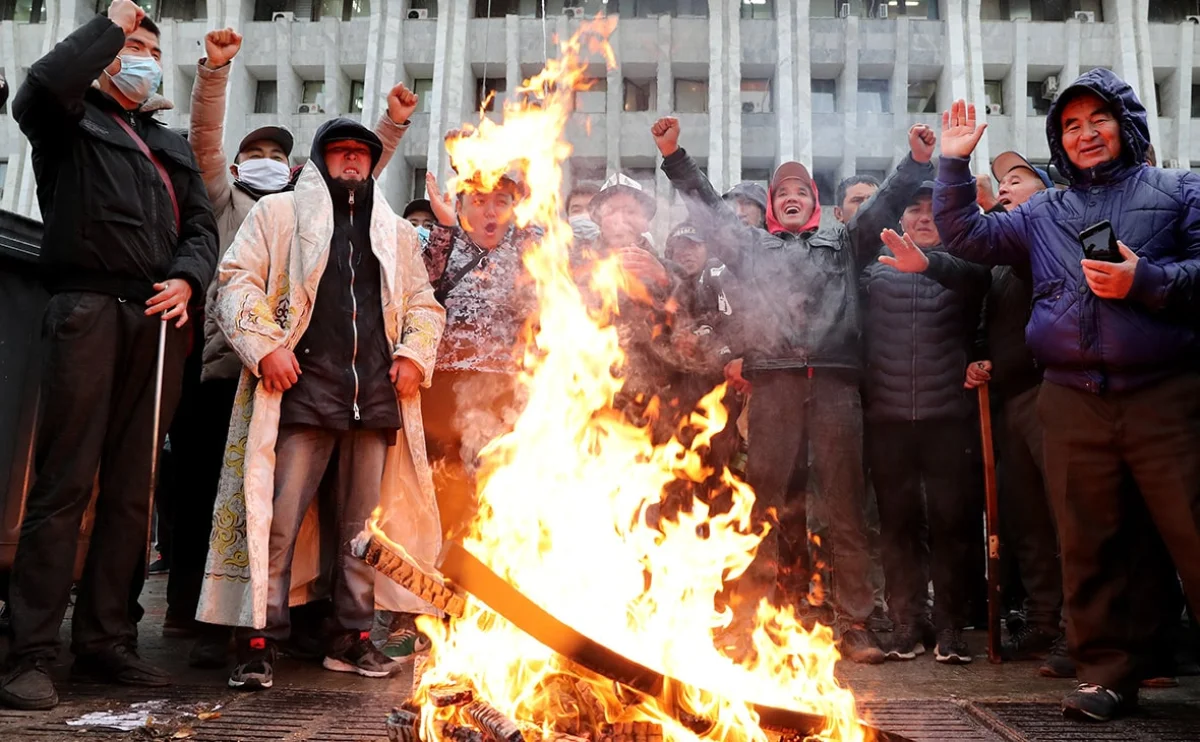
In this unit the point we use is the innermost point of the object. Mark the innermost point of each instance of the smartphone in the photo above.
(1099, 243)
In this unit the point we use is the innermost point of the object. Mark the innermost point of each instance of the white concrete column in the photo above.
(718, 94)
(512, 55)
(802, 132)
(1183, 109)
(385, 43)
(733, 152)
(848, 94)
(14, 75)
(663, 192)
(1070, 69)
(613, 109)
(1015, 85)
(288, 85)
(453, 77)
(1138, 20)
(785, 76)
(337, 83)
(973, 28)
(899, 97)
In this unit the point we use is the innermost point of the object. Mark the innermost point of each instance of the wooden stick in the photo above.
(993, 521)
(407, 575)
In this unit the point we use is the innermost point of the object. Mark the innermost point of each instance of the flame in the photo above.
(564, 500)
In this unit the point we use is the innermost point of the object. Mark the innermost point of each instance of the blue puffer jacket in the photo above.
(1083, 341)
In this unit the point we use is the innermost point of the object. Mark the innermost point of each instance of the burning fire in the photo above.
(563, 511)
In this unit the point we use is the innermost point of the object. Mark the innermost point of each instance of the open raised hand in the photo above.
(443, 206)
(960, 132)
(908, 257)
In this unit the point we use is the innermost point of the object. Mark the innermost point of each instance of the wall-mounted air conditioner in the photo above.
(1050, 87)
(1194, 19)
(310, 108)
(882, 12)
(418, 14)
(1085, 16)
(844, 12)
(283, 15)
(574, 12)
(995, 109)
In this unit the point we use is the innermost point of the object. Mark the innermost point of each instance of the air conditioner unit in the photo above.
(418, 14)
(1085, 16)
(310, 108)
(882, 12)
(845, 11)
(574, 12)
(1173, 165)
(283, 15)
(1194, 19)
(995, 109)
(1050, 87)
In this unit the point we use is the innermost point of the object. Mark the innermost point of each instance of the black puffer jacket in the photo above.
(919, 339)
(110, 225)
(802, 289)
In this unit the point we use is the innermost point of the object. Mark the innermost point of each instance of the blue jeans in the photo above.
(302, 455)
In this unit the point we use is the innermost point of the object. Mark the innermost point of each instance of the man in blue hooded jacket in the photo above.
(1119, 343)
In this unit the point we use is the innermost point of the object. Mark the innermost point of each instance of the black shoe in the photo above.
(879, 622)
(1059, 663)
(906, 643)
(211, 651)
(1028, 642)
(256, 665)
(952, 648)
(1090, 702)
(119, 664)
(160, 566)
(27, 686)
(355, 652)
(860, 646)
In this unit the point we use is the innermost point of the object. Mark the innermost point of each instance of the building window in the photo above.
(266, 97)
(358, 91)
(1061, 10)
(418, 190)
(691, 96)
(23, 11)
(1196, 101)
(1158, 99)
(3, 176)
(993, 91)
(919, 9)
(1172, 11)
(418, 8)
(498, 8)
(756, 96)
(641, 95)
(1037, 104)
(346, 10)
(826, 181)
(423, 87)
(595, 98)
(874, 96)
(824, 96)
(313, 93)
(265, 10)
(922, 97)
(490, 92)
(760, 175)
(758, 10)
(3, 104)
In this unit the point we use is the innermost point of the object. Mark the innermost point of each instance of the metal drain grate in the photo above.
(926, 721)
(1043, 722)
(294, 715)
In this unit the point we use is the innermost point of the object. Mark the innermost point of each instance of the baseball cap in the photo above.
(686, 231)
(278, 134)
(789, 170)
(1006, 162)
(420, 204)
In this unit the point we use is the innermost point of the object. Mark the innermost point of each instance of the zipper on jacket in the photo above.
(353, 311)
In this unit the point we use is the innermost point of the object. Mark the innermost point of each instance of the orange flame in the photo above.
(563, 501)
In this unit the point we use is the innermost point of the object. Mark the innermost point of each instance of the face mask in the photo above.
(139, 77)
(264, 175)
(423, 236)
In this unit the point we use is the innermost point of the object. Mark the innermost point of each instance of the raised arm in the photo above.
(51, 98)
(883, 210)
(401, 102)
(206, 132)
(730, 235)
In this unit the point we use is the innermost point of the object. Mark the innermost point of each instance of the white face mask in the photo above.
(267, 176)
(138, 78)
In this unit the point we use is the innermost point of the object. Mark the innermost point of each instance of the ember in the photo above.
(563, 504)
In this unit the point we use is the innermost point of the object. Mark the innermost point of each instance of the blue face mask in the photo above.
(423, 236)
(139, 77)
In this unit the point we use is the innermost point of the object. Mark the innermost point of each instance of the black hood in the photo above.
(340, 129)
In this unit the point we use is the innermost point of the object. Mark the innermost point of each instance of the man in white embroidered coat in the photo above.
(324, 297)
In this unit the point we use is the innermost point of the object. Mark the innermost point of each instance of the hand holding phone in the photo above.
(1100, 243)
(1108, 266)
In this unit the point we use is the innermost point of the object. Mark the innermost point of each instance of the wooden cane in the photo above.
(154, 450)
(993, 520)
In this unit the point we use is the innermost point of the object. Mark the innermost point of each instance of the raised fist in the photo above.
(126, 14)
(921, 140)
(401, 103)
(666, 135)
(220, 46)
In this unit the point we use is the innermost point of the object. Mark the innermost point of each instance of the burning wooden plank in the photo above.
(403, 725)
(497, 726)
(451, 695)
(426, 586)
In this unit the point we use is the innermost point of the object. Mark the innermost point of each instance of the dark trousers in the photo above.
(1026, 521)
(786, 409)
(97, 408)
(1092, 440)
(904, 456)
(198, 437)
(302, 455)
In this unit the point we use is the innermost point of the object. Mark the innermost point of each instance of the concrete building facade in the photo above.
(833, 84)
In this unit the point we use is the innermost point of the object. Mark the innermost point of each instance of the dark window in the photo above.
(1038, 105)
(758, 10)
(691, 96)
(3, 175)
(826, 181)
(1061, 10)
(24, 11)
(993, 91)
(418, 190)
(266, 97)
(874, 96)
(423, 87)
(491, 91)
(498, 8)
(1173, 11)
(824, 96)
(345, 9)
(994, 10)
(922, 97)
(265, 10)
(1196, 101)
(641, 95)
(1158, 99)
(357, 93)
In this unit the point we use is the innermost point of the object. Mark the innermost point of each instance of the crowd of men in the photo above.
(296, 319)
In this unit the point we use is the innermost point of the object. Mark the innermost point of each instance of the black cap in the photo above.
(420, 204)
(278, 134)
(686, 231)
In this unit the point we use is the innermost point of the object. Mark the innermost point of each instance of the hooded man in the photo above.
(324, 297)
(259, 168)
(803, 356)
(749, 201)
(130, 240)
(1118, 342)
(919, 336)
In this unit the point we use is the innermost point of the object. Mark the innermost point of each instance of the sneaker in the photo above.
(1090, 702)
(354, 652)
(120, 664)
(160, 566)
(27, 686)
(906, 643)
(952, 648)
(405, 644)
(256, 665)
(860, 646)
(1059, 663)
(1028, 642)
(211, 650)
